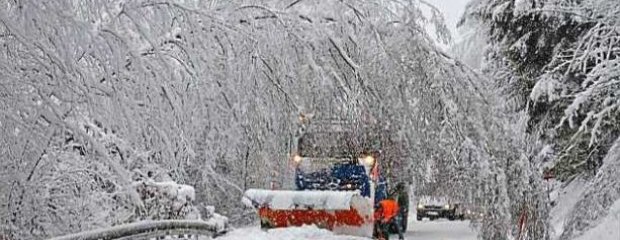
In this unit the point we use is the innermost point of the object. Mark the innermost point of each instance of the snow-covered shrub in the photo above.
(165, 200)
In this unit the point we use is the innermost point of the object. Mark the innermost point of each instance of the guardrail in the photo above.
(151, 229)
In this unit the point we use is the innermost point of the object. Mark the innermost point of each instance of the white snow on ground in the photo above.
(565, 198)
(587, 210)
(293, 233)
(609, 228)
(425, 230)
(439, 230)
(220, 222)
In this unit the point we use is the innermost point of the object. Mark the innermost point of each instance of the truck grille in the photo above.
(432, 207)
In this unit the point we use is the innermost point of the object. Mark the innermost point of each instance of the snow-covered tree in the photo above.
(557, 61)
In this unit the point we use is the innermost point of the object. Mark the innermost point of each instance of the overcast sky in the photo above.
(452, 11)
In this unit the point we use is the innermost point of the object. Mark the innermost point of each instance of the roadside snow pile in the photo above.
(217, 220)
(609, 228)
(565, 197)
(296, 233)
(596, 205)
(283, 200)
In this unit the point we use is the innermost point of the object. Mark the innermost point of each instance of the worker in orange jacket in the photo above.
(385, 217)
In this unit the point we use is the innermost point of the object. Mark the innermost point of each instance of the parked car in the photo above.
(437, 207)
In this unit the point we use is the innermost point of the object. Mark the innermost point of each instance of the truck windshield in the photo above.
(327, 145)
(309, 164)
(329, 161)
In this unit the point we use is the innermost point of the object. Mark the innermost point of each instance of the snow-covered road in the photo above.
(440, 230)
(426, 230)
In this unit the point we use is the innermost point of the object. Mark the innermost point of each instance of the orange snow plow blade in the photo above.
(341, 212)
(321, 218)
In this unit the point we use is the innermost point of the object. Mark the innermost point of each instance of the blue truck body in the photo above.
(341, 177)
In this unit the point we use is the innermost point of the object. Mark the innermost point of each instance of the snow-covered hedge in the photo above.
(166, 200)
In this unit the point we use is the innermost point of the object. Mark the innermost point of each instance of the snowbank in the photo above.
(565, 197)
(218, 221)
(282, 200)
(596, 206)
(609, 228)
(297, 233)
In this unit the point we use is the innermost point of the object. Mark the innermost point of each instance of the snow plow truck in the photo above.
(338, 182)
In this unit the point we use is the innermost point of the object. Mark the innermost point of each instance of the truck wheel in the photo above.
(451, 217)
(265, 225)
(418, 217)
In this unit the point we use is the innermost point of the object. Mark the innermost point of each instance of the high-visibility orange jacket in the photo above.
(388, 210)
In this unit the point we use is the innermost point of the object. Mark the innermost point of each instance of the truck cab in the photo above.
(336, 159)
(333, 158)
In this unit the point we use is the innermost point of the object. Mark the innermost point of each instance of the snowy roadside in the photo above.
(608, 228)
(297, 233)
(426, 230)
(441, 230)
(565, 197)
(590, 209)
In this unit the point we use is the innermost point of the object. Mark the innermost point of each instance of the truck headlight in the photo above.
(297, 158)
(420, 206)
(447, 206)
(368, 160)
